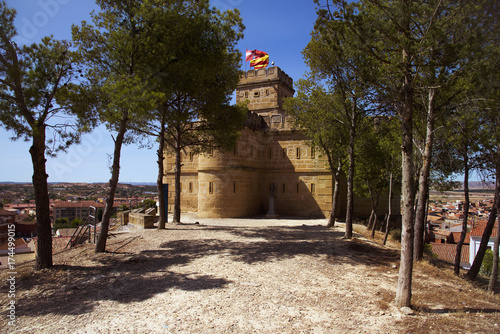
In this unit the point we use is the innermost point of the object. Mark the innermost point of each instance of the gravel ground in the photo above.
(236, 276)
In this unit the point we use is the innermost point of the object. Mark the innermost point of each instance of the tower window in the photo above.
(298, 152)
(256, 94)
(234, 187)
(191, 187)
(191, 156)
(284, 153)
(298, 184)
(267, 92)
(246, 94)
(313, 188)
(283, 188)
(210, 187)
(313, 153)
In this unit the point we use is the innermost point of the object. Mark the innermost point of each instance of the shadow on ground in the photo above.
(278, 243)
(127, 276)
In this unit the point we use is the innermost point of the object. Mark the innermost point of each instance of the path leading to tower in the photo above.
(239, 276)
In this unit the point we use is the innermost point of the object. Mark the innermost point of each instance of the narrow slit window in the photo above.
(234, 187)
(191, 187)
(313, 188)
(284, 153)
(298, 152)
(298, 187)
(246, 94)
(210, 187)
(284, 188)
(191, 156)
(270, 153)
(313, 152)
(235, 149)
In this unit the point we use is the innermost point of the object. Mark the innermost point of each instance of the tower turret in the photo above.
(265, 89)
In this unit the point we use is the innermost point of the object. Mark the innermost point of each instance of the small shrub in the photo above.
(487, 264)
(428, 251)
(75, 222)
(396, 234)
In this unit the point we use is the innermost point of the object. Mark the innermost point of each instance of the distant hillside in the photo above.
(481, 185)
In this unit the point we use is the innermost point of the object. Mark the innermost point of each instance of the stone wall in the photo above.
(269, 151)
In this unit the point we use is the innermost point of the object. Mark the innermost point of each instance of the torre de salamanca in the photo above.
(270, 152)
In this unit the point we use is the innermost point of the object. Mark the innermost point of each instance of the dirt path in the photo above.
(248, 278)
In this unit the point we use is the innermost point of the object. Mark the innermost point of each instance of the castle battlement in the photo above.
(265, 75)
(265, 89)
(269, 153)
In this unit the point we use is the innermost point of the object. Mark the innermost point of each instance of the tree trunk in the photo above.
(478, 260)
(375, 217)
(100, 246)
(389, 211)
(494, 272)
(350, 177)
(43, 228)
(370, 220)
(159, 182)
(177, 200)
(382, 223)
(335, 195)
(403, 292)
(423, 190)
(458, 253)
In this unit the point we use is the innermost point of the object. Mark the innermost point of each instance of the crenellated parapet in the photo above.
(266, 75)
(255, 121)
(264, 90)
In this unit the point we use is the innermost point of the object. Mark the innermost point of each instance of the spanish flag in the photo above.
(258, 59)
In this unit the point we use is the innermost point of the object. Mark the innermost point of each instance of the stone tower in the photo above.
(266, 89)
(270, 154)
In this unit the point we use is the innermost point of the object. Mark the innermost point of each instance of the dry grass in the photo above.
(379, 236)
(443, 302)
(363, 274)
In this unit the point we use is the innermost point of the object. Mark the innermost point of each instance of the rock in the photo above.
(407, 311)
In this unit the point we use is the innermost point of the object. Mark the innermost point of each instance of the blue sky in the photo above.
(279, 27)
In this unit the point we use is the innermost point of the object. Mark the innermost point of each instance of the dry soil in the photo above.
(241, 276)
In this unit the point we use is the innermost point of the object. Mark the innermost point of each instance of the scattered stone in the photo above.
(407, 311)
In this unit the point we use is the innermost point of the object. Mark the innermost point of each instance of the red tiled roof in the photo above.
(22, 206)
(434, 218)
(7, 213)
(479, 227)
(446, 252)
(84, 204)
(456, 237)
(17, 242)
(441, 232)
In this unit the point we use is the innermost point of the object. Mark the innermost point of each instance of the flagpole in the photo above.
(246, 48)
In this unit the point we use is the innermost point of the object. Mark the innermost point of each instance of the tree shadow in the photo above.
(73, 289)
(281, 242)
(461, 310)
(127, 277)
